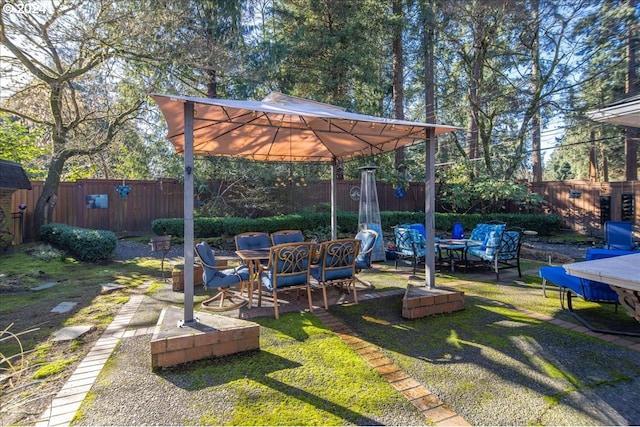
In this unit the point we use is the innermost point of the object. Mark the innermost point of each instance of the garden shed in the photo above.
(12, 178)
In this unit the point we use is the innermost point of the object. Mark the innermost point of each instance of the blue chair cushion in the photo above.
(420, 229)
(491, 242)
(588, 290)
(279, 239)
(266, 278)
(367, 241)
(337, 274)
(559, 276)
(214, 278)
(227, 277)
(261, 241)
(416, 237)
(482, 231)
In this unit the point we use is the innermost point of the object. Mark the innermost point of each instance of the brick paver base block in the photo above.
(420, 301)
(210, 336)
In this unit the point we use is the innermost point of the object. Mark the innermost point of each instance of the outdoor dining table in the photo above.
(622, 273)
(459, 247)
(252, 258)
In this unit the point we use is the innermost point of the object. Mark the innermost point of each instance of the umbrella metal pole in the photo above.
(188, 213)
(429, 208)
(334, 215)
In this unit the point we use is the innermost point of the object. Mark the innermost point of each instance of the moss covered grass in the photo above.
(23, 308)
(491, 353)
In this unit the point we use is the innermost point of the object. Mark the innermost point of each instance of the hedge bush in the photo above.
(82, 243)
(545, 225)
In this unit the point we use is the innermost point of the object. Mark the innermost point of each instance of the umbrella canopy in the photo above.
(625, 112)
(285, 128)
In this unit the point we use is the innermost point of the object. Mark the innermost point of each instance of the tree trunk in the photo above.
(212, 86)
(536, 157)
(43, 213)
(473, 136)
(631, 134)
(593, 166)
(429, 76)
(398, 79)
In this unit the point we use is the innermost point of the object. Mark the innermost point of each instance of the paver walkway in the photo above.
(66, 403)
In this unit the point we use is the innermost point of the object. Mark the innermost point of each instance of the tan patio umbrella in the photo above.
(284, 128)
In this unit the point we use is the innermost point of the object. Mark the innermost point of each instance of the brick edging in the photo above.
(429, 404)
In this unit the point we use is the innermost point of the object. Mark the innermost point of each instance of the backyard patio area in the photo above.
(511, 357)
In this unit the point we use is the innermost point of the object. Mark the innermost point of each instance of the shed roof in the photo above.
(13, 176)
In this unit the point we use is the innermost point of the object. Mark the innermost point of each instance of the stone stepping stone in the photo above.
(107, 288)
(63, 307)
(72, 332)
(44, 286)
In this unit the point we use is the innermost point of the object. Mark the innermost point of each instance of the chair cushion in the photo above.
(599, 253)
(260, 241)
(420, 229)
(337, 274)
(266, 278)
(492, 241)
(557, 275)
(367, 241)
(227, 277)
(291, 237)
(481, 232)
(588, 290)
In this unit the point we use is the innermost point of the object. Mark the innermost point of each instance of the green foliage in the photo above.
(461, 190)
(46, 253)
(18, 143)
(318, 224)
(84, 244)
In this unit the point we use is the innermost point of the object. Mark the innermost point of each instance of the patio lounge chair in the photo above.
(222, 280)
(337, 266)
(588, 290)
(619, 235)
(288, 268)
(500, 250)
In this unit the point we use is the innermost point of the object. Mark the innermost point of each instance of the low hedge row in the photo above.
(82, 243)
(545, 225)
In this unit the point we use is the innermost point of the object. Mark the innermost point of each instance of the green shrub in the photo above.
(82, 243)
(316, 223)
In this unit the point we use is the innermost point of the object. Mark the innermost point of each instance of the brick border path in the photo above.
(430, 405)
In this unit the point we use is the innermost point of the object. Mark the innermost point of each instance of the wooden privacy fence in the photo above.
(96, 204)
(584, 206)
